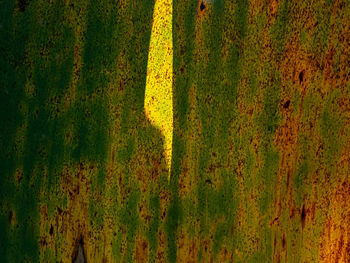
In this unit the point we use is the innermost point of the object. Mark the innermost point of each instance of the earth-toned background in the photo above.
(261, 133)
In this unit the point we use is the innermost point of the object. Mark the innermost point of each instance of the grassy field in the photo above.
(260, 168)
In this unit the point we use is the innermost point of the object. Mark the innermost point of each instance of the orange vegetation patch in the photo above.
(187, 249)
(335, 240)
(141, 250)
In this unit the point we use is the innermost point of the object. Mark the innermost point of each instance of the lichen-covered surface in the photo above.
(261, 141)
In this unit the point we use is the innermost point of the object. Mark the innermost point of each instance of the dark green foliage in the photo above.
(241, 17)
(172, 225)
(153, 228)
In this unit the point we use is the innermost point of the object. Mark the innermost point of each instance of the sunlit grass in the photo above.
(159, 95)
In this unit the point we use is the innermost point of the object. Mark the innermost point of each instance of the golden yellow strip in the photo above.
(159, 94)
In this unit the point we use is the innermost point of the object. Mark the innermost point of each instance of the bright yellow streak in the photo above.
(159, 94)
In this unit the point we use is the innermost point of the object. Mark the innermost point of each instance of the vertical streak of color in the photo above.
(159, 94)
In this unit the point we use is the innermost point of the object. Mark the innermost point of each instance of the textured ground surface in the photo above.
(261, 140)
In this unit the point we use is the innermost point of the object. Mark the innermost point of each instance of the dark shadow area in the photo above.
(286, 104)
(202, 6)
(22, 5)
(14, 35)
(301, 77)
(79, 256)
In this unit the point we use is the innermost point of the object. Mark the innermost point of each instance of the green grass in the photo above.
(72, 84)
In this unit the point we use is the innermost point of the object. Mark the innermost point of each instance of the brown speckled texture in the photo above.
(261, 137)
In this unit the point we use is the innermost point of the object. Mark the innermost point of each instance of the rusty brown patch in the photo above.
(164, 201)
(225, 255)
(187, 248)
(161, 252)
(18, 175)
(141, 253)
(202, 8)
(144, 213)
(284, 242)
(72, 223)
(335, 239)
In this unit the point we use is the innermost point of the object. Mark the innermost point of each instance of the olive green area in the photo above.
(72, 88)
(59, 81)
(233, 96)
